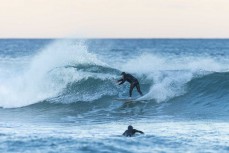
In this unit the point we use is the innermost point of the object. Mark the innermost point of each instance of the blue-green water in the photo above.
(58, 95)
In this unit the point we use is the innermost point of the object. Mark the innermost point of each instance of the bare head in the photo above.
(130, 127)
(123, 73)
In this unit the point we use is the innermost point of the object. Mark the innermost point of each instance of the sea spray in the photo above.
(39, 81)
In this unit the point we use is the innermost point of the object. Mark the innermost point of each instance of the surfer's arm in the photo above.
(121, 81)
(139, 131)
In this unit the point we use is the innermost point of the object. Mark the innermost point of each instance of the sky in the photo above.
(114, 18)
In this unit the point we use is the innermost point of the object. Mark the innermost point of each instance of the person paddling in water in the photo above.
(131, 131)
(133, 82)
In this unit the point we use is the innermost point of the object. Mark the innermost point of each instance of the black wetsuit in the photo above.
(133, 82)
(131, 131)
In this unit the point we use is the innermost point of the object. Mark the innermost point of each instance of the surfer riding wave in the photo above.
(133, 82)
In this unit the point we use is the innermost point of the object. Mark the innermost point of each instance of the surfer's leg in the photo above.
(131, 89)
(138, 88)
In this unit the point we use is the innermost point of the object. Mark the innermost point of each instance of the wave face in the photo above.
(177, 76)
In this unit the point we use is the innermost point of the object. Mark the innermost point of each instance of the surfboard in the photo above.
(125, 99)
(130, 100)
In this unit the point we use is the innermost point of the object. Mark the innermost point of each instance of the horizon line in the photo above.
(114, 38)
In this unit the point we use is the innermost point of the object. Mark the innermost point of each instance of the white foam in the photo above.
(169, 73)
(42, 79)
(147, 63)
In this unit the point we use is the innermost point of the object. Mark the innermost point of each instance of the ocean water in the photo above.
(59, 95)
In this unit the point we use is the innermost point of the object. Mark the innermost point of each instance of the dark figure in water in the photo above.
(133, 82)
(131, 131)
